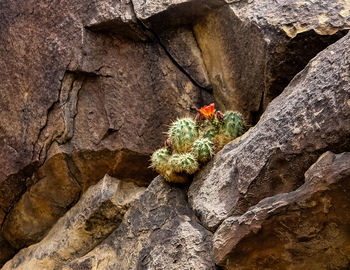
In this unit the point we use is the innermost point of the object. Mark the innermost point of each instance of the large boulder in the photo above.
(85, 91)
(305, 229)
(99, 211)
(252, 49)
(158, 232)
(311, 116)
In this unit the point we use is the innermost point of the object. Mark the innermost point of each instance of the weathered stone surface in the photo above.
(304, 229)
(39, 208)
(172, 21)
(116, 17)
(165, 13)
(76, 84)
(311, 116)
(181, 44)
(158, 232)
(252, 49)
(98, 212)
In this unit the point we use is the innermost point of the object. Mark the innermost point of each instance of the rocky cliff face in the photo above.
(87, 91)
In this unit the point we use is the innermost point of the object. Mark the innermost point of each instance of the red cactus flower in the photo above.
(208, 111)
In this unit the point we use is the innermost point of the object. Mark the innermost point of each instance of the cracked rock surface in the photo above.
(85, 91)
(158, 232)
(98, 212)
(305, 229)
(88, 89)
(252, 49)
(311, 116)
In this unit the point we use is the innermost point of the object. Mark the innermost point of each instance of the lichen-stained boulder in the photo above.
(158, 232)
(311, 116)
(99, 211)
(305, 229)
(252, 49)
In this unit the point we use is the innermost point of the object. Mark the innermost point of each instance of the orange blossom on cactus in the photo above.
(208, 111)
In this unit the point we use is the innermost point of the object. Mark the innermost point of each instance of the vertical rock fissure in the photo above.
(172, 59)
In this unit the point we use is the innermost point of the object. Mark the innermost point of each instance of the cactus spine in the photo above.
(183, 163)
(203, 149)
(159, 160)
(182, 134)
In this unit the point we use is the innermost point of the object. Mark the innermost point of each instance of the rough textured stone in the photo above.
(39, 207)
(182, 46)
(77, 84)
(117, 17)
(158, 232)
(57, 185)
(252, 49)
(172, 21)
(311, 116)
(98, 212)
(165, 13)
(304, 229)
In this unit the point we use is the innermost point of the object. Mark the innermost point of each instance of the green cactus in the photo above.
(183, 163)
(203, 149)
(182, 134)
(159, 160)
(232, 127)
(209, 131)
(193, 141)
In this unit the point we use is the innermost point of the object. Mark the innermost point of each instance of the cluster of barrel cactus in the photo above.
(193, 142)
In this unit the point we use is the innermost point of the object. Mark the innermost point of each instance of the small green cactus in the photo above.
(182, 134)
(183, 163)
(203, 149)
(233, 124)
(209, 131)
(231, 127)
(159, 160)
(193, 141)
